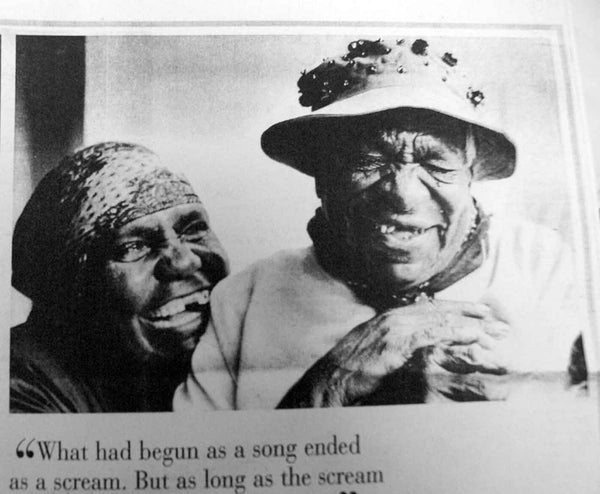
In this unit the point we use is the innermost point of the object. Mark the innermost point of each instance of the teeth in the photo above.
(386, 229)
(179, 305)
(405, 235)
(202, 297)
(406, 232)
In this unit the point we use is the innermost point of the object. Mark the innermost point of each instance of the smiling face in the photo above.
(159, 274)
(399, 196)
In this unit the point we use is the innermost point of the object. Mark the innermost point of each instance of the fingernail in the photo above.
(499, 329)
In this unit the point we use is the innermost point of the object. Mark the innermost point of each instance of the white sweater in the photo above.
(272, 321)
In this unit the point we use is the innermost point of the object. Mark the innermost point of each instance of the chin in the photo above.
(402, 275)
(409, 272)
(166, 343)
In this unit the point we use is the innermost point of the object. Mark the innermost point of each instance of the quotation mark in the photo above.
(349, 492)
(27, 452)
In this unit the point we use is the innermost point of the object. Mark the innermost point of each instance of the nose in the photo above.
(404, 186)
(177, 261)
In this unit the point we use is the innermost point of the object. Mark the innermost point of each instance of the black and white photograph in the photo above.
(344, 248)
(391, 222)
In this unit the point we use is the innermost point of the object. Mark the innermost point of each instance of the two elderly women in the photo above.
(118, 257)
(411, 291)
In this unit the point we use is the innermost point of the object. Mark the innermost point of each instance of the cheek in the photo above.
(457, 206)
(453, 198)
(339, 194)
(129, 287)
(214, 245)
(215, 263)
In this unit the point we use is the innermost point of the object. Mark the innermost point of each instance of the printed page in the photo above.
(342, 248)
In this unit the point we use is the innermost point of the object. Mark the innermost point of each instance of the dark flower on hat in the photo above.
(419, 47)
(449, 59)
(363, 48)
(475, 96)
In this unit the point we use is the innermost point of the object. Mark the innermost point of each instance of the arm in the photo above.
(40, 384)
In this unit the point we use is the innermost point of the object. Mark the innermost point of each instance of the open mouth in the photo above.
(192, 302)
(397, 232)
(402, 240)
(400, 232)
(182, 313)
(393, 243)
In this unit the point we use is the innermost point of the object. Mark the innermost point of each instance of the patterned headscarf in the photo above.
(90, 194)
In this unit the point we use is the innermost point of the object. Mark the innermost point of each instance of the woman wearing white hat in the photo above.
(446, 301)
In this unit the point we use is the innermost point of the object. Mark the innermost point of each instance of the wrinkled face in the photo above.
(160, 272)
(399, 196)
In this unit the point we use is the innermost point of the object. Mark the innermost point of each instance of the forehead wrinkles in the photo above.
(406, 141)
(399, 141)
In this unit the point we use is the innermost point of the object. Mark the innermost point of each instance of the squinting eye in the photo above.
(195, 231)
(131, 251)
(367, 164)
(439, 173)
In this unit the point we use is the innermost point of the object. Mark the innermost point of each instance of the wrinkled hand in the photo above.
(473, 372)
(406, 355)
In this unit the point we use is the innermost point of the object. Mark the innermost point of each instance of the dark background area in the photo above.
(50, 93)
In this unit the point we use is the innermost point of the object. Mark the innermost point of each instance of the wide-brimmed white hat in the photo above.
(377, 77)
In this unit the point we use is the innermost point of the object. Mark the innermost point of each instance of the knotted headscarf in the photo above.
(86, 197)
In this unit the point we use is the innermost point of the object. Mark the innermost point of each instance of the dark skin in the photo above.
(159, 273)
(143, 306)
(399, 195)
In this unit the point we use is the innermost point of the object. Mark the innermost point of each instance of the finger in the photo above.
(482, 339)
(465, 330)
(478, 386)
(449, 329)
(490, 387)
(461, 382)
(492, 336)
(471, 358)
(497, 329)
(469, 309)
(431, 328)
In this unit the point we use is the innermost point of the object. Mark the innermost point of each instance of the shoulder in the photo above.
(525, 238)
(280, 267)
(530, 250)
(30, 343)
(40, 382)
(265, 280)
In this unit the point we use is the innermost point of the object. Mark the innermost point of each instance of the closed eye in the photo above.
(437, 169)
(368, 163)
(440, 173)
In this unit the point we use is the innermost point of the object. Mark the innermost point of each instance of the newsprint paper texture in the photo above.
(485, 184)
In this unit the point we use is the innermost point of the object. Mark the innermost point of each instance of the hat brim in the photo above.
(295, 141)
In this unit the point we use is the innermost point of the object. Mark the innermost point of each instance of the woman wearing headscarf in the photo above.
(117, 256)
